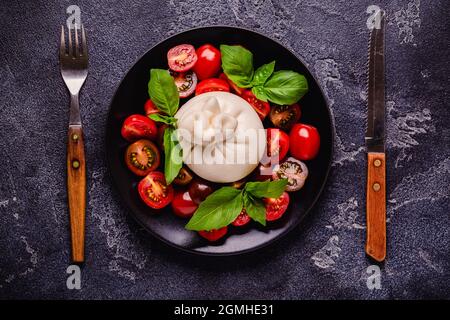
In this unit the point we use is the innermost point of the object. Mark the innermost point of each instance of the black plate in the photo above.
(130, 98)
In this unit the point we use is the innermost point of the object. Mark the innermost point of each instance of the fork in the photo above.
(73, 64)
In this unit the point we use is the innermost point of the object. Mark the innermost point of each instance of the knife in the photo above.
(375, 142)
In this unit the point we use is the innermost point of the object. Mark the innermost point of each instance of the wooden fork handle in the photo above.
(76, 189)
(376, 206)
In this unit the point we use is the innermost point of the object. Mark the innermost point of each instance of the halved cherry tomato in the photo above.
(233, 86)
(182, 204)
(208, 61)
(212, 84)
(150, 108)
(305, 141)
(182, 57)
(277, 146)
(294, 170)
(242, 219)
(276, 207)
(284, 116)
(185, 82)
(214, 234)
(142, 157)
(262, 108)
(184, 177)
(137, 127)
(199, 189)
(154, 190)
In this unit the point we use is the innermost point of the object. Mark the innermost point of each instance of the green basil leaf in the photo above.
(260, 93)
(163, 91)
(218, 210)
(255, 209)
(266, 189)
(284, 87)
(237, 63)
(263, 73)
(173, 160)
(163, 118)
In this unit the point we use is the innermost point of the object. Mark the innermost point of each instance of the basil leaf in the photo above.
(218, 210)
(260, 93)
(163, 91)
(237, 63)
(266, 189)
(163, 118)
(263, 73)
(284, 87)
(255, 209)
(173, 160)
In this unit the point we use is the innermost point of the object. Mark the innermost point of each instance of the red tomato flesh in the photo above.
(276, 207)
(242, 219)
(277, 146)
(182, 57)
(154, 190)
(262, 108)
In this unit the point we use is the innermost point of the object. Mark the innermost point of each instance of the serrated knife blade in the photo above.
(375, 141)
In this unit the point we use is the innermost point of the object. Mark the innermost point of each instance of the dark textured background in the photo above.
(322, 258)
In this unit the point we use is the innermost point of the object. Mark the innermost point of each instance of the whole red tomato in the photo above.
(150, 108)
(214, 235)
(137, 127)
(277, 146)
(211, 84)
(208, 62)
(304, 141)
(182, 204)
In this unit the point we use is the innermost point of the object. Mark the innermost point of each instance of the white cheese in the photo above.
(221, 135)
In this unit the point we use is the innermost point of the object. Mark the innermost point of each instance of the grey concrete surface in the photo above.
(322, 258)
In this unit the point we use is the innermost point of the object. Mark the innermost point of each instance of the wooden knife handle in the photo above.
(76, 189)
(376, 206)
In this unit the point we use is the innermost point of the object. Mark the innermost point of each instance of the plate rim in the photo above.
(248, 250)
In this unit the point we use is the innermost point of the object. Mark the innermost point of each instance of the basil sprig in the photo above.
(282, 87)
(224, 205)
(164, 94)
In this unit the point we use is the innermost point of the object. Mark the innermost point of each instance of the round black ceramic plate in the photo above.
(163, 224)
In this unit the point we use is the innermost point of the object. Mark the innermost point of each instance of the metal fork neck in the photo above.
(75, 117)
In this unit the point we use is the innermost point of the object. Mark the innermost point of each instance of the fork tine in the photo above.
(70, 43)
(62, 47)
(77, 49)
(83, 41)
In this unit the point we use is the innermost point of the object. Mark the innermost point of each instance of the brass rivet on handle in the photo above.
(75, 164)
(377, 163)
(75, 137)
(376, 186)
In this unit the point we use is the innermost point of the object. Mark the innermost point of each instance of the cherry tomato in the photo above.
(208, 61)
(182, 204)
(185, 82)
(233, 86)
(184, 177)
(199, 189)
(142, 157)
(276, 207)
(262, 108)
(182, 57)
(154, 190)
(150, 108)
(277, 146)
(214, 235)
(137, 127)
(284, 116)
(294, 170)
(305, 141)
(242, 219)
(212, 84)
